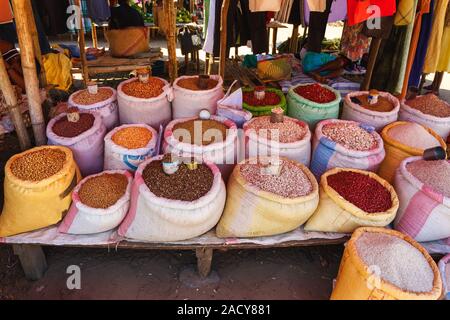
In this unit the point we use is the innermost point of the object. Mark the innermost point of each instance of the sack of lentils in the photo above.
(262, 104)
(84, 137)
(147, 103)
(351, 198)
(384, 264)
(403, 140)
(103, 102)
(191, 95)
(100, 203)
(379, 114)
(37, 189)
(313, 103)
(268, 196)
(173, 200)
(428, 110)
(444, 268)
(288, 138)
(129, 145)
(345, 144)
(424, 192)
(214, 139)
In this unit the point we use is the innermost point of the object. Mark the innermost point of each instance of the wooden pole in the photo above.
(373, 53)
(36, 45)
(82, 44)
(169, 9)
(29, 71)
(13, 108)
(94, 35)
(223, 37)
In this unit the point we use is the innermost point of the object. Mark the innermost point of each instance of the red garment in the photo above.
(5, 12)
(358, 10)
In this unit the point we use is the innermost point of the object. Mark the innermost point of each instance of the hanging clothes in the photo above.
(8, 32)
(354, 44)
(86, 20)
(208, 46)
(359, 10)
(338, 11)
(98, 10)
(383, 31)
(317, 27)
(6, 15)
(53, 16)
(405, 13)
(44, 44)
(444, 57)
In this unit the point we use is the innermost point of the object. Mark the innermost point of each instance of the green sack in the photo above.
(265, 110)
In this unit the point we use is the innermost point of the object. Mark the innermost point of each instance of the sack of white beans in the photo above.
(345, 144)
(444, 268)
(424, 193)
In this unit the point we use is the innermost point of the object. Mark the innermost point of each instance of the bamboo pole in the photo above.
(223, 37)
(373, 53)
(29, 71)
(13, 108)
(36, 45)
(94, 35)
(169, 9)
(82, 45)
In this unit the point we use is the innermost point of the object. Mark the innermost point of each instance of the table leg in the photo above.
(274, 40)
(204, 259)
(32, 259)
(94, 36)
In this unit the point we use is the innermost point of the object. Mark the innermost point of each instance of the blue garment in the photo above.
(98, 11)
(75, 51)
(313, 60)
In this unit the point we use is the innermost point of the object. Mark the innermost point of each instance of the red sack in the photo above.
(358, 10)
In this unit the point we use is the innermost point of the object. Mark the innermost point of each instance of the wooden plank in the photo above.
(32, 259)
(373, 53)
(204, 260)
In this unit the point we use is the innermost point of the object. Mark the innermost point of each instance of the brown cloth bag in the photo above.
(128, 42)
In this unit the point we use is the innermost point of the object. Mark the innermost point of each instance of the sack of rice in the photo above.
(360, 106)
(129, 145)
(100, 203)
(191, 94)
(313, 103)
(288, 138)
(173, 200)
(104, 102)
(403, 140)
(384, 264)
(444, 268)
(345, 144)
(83, 133)
(430, 111)
(350, 199)
(424, 192)
(268, 196)
(37, 188)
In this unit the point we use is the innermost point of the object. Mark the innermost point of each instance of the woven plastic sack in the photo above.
(230, 107)
(335, 214)
(82, 219)
(443, 265)
(378, 120)
(87, 147)
(108, 109)
(120, 158)
(188, 103)
(30, 205)
(129, 41)
(265, 110)
(397, 152)
(154, 111)
(252, 212)
(424, 214)
(299, 151)
(439, 125)
(265, 5)
(309, 111)
(153, 218)
(357, 281)
(327, 154)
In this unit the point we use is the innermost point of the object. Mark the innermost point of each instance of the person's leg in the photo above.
(339, 63)
(317, 27)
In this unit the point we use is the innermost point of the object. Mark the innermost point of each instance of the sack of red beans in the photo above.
(84, 138)
(345, 144)
(99, 203)
(351, 198)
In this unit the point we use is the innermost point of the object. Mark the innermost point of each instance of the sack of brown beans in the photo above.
(288, 138)
(100, 203)
(129, 145)
(423, 189)
(103, 102)
(268, 196)
(147, 103)
(444, 268)
(345, 144)
(37, 189)
(377, 113)
(384, 264)
(214, 139)
(84, 137)
(191, 94)
(352, 198)
(174, 200)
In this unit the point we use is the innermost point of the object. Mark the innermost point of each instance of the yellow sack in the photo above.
(251, 212)
(335, 214)
(406, 11)
(128, 42)
(33, 205)
(57, 70)
(396, 152)
(355, 281)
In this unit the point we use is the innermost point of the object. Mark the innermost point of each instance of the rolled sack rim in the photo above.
(394, 112)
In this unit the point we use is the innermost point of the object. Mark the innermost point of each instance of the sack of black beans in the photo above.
(444, 269)
(99, 203)
(351, 198)
(129, 145)
(103, 102)
(174, 199)
(268, 196)
(83, 136)
(424, 192)
(345, 144)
